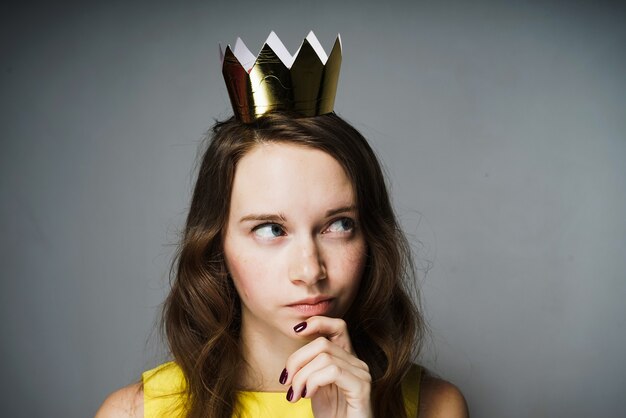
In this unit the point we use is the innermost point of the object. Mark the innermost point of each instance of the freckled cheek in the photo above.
(350, 262)
(250, 276)
(239, 274)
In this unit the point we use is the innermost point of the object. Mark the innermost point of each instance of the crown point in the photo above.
(311, 35)
(335, 53)
(317, 47)
(274, 42)
(243, 54)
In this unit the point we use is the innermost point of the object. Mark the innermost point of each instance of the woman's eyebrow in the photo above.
(342, 209)
(267, 217)
(279, 217)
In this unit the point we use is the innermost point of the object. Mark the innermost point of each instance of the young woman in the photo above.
(290, 296)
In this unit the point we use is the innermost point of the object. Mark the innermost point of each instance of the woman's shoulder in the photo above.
(160, 387)
(440, 399)
(126, 402)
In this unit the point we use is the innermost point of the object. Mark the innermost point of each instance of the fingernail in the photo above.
(290, 394)
(300, 327)
(283, 377)
(303, 392)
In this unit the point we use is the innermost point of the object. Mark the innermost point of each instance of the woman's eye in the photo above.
(342, 225)
(269, 231)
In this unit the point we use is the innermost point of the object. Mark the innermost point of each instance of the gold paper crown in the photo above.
(277, 81)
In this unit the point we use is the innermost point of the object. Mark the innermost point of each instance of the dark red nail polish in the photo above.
(290, 394)
(303, 392)
(300, 326)
(283, 377)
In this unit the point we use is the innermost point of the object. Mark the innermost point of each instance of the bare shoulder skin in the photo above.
(441, 399)
(126, 402)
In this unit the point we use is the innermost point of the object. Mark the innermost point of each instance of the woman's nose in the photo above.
(306, 265)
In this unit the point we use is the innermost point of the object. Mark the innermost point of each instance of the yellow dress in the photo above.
(163, 387)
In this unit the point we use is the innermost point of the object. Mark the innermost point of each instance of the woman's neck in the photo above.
(265, 354)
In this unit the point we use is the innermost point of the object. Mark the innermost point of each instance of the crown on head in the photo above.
(304, 83)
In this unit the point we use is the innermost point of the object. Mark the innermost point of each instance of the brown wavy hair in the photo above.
(201, 315)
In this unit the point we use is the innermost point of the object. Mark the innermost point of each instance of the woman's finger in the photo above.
(299, 382)
(335, 329)
(355, 389)
(312, 350)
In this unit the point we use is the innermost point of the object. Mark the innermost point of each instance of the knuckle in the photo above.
(334, 370)
(325, 358)
(322, 343)
(342, 327)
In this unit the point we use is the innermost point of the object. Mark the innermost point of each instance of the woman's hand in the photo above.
(327, 371)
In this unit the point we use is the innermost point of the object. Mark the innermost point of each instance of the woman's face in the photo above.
(293, 245)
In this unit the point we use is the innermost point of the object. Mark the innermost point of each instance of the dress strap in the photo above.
(411, 390)
(164, 392)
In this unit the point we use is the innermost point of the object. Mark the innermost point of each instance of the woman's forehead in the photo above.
(277, 176)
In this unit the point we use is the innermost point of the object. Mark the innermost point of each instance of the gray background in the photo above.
(501, 126)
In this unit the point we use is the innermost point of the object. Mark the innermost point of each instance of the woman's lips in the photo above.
(313, 308)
